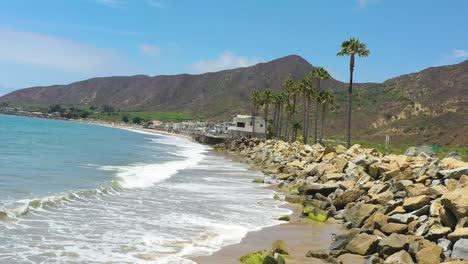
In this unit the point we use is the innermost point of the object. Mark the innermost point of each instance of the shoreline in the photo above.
(296, 233)
(301, 235)
(130, 127)
(396, 207)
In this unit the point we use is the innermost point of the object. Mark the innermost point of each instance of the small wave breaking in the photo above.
(146, 175)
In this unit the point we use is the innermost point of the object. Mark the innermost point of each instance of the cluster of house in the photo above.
(241, 125)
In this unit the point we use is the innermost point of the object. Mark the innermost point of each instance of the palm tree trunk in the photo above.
(286, 132)
(306, 119)
(266, 120)
(280, 121)
(316, 116)
(275, 113)
(293, 117)
(350, 98)
(253, 122)
(324, 108)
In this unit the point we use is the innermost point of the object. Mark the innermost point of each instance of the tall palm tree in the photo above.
(267, 97)
(326, 98)
(319, 73)
(255, 98)
(351, 48)
(294, 90)
(296, 127)
(282, 100)
(307, 91)
(288, 86)
(276, 101)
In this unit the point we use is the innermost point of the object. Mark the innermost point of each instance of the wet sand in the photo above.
(300, 235)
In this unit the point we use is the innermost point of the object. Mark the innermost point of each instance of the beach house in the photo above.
(243, 126)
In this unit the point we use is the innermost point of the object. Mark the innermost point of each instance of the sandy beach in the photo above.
(300, 234)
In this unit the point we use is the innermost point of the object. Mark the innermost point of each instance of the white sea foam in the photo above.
(146, 175)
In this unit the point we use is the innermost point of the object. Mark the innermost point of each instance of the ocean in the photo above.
(80, 193)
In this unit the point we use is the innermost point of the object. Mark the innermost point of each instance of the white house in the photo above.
(242, 125)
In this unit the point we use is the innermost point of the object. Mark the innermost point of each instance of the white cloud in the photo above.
(150, 50)
(458, 53)
(156, 4)
(45, 51)
(111, 3)
(365, 3)
(227, 60)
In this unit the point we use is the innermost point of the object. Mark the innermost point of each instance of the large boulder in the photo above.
(313, 188)
(392, 244)
(461, 232)
(392, 228)
(430, 254)
(296, 163)
(317, 253)
(415, 151)
(400, 257)
(358, 213)
(402, 218)
(437, 231)
(347, 197)
(363, 244)
(416, 202)
(381, 198)
(460, 249)
(294, 198)
(455, 173)
(457, 201)
(452, 163)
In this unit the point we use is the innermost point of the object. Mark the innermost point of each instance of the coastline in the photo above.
(301, 234)
(416, 201)
(130, 127)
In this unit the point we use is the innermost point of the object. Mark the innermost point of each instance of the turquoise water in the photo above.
(79, 193)
(44, 157)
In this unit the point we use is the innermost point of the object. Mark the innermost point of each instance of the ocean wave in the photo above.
(132, 176)
(146, 175)
(25, 206)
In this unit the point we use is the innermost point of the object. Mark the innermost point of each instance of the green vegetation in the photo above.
(284, 218)
(144, 117)
(254, 258)
(401, 148)
(105, 113)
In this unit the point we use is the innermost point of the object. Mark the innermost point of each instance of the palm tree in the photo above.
(319, 73)
(255, 98)
(307, 90)
(284, 100)
(295, 90)
(352, 47)
(296, 127)
(276, 101)
(326, 98)
(288, 86)
(267, 97)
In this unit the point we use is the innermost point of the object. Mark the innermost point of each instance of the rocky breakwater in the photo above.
(399, 209)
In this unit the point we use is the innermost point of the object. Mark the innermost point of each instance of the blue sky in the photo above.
(58, 42)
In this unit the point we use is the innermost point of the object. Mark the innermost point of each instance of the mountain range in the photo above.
(430, 106)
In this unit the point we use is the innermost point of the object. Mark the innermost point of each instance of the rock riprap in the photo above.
(399, 208)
